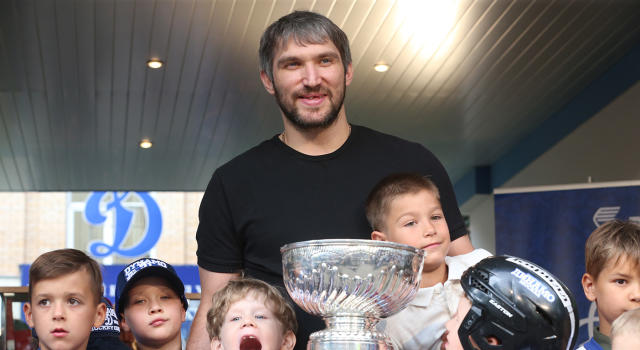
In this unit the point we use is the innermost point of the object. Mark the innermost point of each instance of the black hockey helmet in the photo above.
(519, 303)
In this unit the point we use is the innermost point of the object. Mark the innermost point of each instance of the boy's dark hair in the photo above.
(62, 262)
(304, 27)
(613, 241)
(388, 189)
(238, 289)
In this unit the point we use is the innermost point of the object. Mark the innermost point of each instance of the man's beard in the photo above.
(292, 113)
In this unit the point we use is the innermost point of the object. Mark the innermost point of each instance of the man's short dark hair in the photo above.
(304, 27)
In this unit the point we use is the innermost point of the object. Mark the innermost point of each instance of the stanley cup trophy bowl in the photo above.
(351, 284)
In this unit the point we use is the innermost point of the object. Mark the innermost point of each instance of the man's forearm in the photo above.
(460, 246)
(210, 283)
(198, 337)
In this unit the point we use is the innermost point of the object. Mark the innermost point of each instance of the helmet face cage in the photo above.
(519, 303)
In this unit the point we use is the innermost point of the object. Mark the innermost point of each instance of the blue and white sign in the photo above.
(550, 225)
(123, 218)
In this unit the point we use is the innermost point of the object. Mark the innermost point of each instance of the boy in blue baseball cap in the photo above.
(151, 304)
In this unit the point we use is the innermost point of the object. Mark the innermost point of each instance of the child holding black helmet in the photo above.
(513, 304)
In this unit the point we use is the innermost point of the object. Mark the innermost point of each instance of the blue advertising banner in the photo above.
(550, 225)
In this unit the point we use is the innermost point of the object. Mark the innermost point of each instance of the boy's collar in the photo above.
(601, 339)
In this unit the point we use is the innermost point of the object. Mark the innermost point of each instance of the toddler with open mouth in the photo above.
(248, 314)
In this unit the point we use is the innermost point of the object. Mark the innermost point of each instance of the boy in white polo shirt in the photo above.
(405, 208)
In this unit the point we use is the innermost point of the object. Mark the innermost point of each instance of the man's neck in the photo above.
(317, 142)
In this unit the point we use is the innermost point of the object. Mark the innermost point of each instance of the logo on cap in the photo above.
(134, 267)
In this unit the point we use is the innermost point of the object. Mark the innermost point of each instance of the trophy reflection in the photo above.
(351, 284)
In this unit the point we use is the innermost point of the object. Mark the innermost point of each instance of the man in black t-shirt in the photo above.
(311, 180)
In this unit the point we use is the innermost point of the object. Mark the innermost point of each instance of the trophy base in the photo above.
(336, 340)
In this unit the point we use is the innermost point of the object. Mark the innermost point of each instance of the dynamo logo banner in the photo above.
(123, 220)
(550, 228)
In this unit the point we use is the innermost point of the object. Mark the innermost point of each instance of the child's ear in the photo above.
(216, 344)
(101, 313)
(588, 285)
(123, 324)
(378, 236)
(288, 341)
(184, 313)
(27, 314)
(493, 340)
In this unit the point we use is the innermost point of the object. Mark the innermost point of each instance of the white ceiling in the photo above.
(76, 96)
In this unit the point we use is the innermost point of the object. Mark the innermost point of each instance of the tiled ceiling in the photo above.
(468, 79)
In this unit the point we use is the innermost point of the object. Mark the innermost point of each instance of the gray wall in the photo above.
(604, 148)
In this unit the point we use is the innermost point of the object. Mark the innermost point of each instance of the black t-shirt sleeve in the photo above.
(220, 247)
(448, 199)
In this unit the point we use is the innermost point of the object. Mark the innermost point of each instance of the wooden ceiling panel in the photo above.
(13, 153)
(323, 7)
(76, 96)
(340, 11)
(468, 64)
(367, 52)
(564, 89)
(423, 90)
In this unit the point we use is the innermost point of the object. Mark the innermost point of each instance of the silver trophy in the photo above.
(351, 284)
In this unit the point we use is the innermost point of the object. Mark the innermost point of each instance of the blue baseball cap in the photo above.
(147, 267)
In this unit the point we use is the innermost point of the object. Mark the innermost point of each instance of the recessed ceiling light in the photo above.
(381, 67)
(146, 143)
(154, 63)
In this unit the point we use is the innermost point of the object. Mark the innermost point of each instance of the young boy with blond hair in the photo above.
(625, 331)
(612, 278)
(65, 294)
(151, 304)
(249, 314)
(406, 208)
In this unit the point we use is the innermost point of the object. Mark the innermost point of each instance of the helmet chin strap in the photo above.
(467, 328)
(470, 332)
(469, 344)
